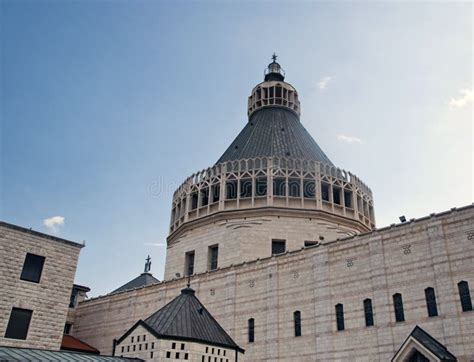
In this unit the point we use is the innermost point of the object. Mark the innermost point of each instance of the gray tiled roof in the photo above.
(29, 354)
(142, 280)
(185, 318)
(430, 344)
(273, 131)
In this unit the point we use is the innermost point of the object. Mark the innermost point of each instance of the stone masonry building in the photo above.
(283, 250)
(37, 275)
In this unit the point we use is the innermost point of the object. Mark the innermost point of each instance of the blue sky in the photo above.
(106, 107)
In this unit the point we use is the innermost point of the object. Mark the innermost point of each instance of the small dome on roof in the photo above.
(274, 71)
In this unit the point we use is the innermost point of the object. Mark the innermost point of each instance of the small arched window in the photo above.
(398, 306)
(369, 314)
(465, 296)
(251, 330)
(431, 302)
(297, 322)
(340, 317)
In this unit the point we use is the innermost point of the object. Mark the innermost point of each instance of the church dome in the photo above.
(273, 163)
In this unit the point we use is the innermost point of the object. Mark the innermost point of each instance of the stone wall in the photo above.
(142, 344)
(246, 236)
(49, 299)
(436, 251)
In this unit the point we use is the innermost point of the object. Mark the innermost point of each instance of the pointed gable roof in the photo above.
(185, 318)
(428, 342)
(142, 280)
(274, 132)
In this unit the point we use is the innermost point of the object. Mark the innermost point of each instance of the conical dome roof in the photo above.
(274, 132)
(274, 128)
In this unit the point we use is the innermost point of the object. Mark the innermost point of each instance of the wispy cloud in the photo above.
(323, 83)
(348, 139)
(54, 223)
(467, 97)
(155, 244)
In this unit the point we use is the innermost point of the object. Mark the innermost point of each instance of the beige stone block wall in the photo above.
(154, 349)
(432, 252)
(49, 298)
(245, 239)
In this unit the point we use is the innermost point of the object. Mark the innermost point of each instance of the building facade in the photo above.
(37, 274)
(282, 248)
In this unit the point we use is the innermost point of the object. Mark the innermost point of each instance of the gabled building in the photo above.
(183, 330)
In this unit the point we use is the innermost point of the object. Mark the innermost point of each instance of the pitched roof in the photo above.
(273, 131)
(142, 280)
(430, 343)
(31, 354)
(185, 318)
(71, 343)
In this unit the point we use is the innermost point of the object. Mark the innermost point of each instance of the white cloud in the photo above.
(54, 223)
(323, 83)
(349, 139)
(468, 97)
(155, 244)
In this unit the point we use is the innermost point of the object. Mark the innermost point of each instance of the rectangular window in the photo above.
(194, 200)
(182, 346)
(204, 196)
(309, 189)
(189, 263)
(246, 187)
(18, 323)
(340, 317)
(398, 306)
(186, 356)
(336, 195)
(279, 187)
(348, 199)
(294, 187)
(465, 296)
(431, 302)
(177, 355)
(73, 298)
(324, 191)
(278, 246)
(123, 349)
(231, 189)
(216, 190)
(173, 345)
(32, 268)
(297, 321)
(67, 328)
(151, 354)
(369, 315)
(251, 330)
(168, 354)
(213, 257)
(131, 339)
(261, 186)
